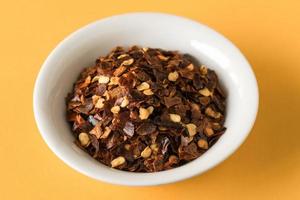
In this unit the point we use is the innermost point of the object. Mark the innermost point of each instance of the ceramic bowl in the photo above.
(80, 50)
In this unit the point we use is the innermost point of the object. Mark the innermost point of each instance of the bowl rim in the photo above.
(44, 132)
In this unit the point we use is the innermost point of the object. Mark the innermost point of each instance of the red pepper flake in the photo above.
(146, 109)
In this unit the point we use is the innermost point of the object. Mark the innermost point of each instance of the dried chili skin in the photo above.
(146, 109)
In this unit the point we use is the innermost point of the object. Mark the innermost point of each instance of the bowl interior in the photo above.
(81, 49)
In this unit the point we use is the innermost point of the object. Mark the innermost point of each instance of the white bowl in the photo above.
(80, 50)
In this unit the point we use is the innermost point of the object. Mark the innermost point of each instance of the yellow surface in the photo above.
(267, 166)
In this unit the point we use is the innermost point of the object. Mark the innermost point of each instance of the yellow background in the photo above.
(267, 166)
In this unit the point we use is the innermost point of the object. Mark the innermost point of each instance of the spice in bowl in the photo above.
(146, 109)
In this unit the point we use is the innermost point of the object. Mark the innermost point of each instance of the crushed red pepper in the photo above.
(146, 109)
